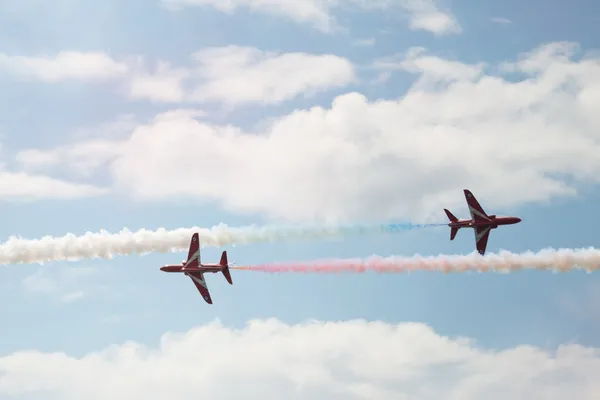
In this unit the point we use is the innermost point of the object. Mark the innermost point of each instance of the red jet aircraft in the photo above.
(196, 270)
(480, 222)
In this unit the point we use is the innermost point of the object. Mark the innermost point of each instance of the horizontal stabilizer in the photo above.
(453, 232)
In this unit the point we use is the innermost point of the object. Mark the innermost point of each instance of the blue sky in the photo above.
(529, 151)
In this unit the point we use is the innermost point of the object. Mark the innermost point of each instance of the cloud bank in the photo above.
(269, 359)
(522, 131)
(231, 75)
(320, 14)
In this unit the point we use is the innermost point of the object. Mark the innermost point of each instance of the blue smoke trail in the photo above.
(367, 229)
(396, 227)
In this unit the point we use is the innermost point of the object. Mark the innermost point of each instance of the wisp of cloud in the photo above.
(106, 245)
(561, 260)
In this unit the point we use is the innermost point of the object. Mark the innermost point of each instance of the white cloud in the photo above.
(368, 42)
(317, 360)
(81, 158)
(315, 12)
(555, 55)
(510, 142)
(382, 78)
(89, 152)
(232, 75)
(423, 14)
(118, 128)
(64, 282)
(501, 20)
(432, 69)
(20, 186)
(64, 65)
(67, 284)
(235, 75)
(164, 85)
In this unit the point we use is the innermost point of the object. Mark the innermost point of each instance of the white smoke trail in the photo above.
(106, 245)
(561, 260)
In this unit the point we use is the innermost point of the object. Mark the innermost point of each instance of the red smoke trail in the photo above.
(549, 259)
(351, 266)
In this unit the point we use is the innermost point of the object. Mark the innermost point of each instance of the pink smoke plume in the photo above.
(561, 260)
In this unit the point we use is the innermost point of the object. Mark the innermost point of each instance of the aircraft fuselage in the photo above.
(494, 222)
(214, 268)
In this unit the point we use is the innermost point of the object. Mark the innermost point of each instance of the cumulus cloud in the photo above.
(510, 141)
(314, 12)
(334, 360)
(231, 75)
(20, 186)
(95, 66)
(81, 158)
(235, 74)
(164, 85)
(425, 15)
(432, 69)
(87, 154)
(422, 14)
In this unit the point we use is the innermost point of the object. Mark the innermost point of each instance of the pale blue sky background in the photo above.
(130, 299)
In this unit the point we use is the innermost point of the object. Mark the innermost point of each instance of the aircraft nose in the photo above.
(162, 268)
(518, 219)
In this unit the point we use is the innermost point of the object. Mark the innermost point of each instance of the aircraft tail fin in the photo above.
(451, 216)
(225, 267)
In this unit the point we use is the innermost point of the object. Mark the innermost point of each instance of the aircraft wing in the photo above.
(200, 282)
(477, 212)
(193, 259)
(482, 233)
